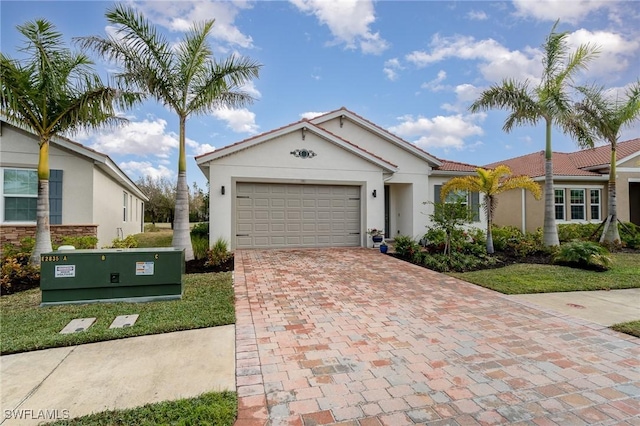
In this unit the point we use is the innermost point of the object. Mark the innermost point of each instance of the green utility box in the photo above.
(111, 275)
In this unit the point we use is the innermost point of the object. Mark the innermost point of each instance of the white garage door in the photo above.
(283, 215)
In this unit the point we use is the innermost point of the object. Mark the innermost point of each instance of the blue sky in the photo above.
(412, 67)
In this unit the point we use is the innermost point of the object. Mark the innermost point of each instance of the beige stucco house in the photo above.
(580, 187)
(323, 182)
(89, 194)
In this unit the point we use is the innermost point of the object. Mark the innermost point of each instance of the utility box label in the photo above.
(65, 271)
(144, 268)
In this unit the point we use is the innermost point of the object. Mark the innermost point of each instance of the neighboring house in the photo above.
(321, 183)
(580, 187)
(88, 194)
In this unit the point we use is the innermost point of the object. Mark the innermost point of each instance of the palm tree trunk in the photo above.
(43, 230)
(490, 249)
(610, 233)
(550, 232)
(181, 234)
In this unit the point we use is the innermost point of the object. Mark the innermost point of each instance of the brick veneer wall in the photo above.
(14, 233)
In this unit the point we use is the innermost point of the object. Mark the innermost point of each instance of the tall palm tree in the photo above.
(52, 92)
(184, 77)
(550, 102)
(606, 116)
(491, 183)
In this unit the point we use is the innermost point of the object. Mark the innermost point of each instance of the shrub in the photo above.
(81, 242)
(129, 242)
(218, 254)
(458, 262)
(406, 247)
(503, 235)
(200, 246)
(579, 231)
(630, 235)
(583, 254)
(26, 246)
(17, 274)
(201, 230)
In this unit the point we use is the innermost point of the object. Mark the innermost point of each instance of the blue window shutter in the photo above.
(475, 206)
(436, 193)
(55, 197)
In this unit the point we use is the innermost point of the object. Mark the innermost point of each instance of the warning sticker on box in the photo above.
(65, 271)
(144, 268)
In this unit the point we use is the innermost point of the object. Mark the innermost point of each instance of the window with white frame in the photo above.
(20, 195)
(577, 203)
(559, 203)
(594, 198)
(125, 202)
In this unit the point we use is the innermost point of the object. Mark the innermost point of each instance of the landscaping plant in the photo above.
(583, 254)
(219, 253)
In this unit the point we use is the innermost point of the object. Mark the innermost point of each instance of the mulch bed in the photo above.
(197, 266)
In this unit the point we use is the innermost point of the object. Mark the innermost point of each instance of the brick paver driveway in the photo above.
(354, 337)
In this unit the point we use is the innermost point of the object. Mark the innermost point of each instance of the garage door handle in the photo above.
(354, 233)
(354, 198)
(242, 235)
(242, 196)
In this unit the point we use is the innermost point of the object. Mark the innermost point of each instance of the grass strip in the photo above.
(631, 327)
(208, 409)
(207, 301)
(531, 278)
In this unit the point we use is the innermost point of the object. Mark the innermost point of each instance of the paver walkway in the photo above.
(353, 337)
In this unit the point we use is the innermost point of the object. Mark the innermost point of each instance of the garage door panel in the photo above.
(293, 215)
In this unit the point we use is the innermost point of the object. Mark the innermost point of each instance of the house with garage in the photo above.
(324, 182)
(88, 193)
(580, 185)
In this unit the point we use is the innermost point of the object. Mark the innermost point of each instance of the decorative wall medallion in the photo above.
(303, 153)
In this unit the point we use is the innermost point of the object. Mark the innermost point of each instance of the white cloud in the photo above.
(447, 132)
(465, 94)
(250, 88)
(200, 148)
(552, 10)
(434, 85)
(348, 21)
(391, 68)
(179, 16)
(240, 120)
(496, 61)
(615, 50)
(144, 138)
(311, 114)
(477, 15)
(145, 168)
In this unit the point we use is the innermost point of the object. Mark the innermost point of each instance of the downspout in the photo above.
(524, 211)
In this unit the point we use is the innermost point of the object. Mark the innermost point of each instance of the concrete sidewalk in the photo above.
(125, 373)
(601, 307)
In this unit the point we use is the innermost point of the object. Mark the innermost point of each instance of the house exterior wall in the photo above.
(626, 172)
(427, 209)
(109, 207)
(13, 234)
(89, 196)
(510, 205)
(272, 162)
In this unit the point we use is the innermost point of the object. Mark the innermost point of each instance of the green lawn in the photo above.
(631, 327)
(207, 301)
(529, 278)
(213, 409)
(160, 238)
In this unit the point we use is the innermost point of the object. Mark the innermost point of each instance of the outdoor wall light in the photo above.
(374, 193)
(222, 189)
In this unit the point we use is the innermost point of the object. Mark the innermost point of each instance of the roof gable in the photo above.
(303, 126)
(345, 114)
(103, 161)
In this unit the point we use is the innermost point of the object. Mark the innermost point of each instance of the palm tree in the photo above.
(548, 101)
(183, 77)
(606, 116)
(52, 92)
(490, 183)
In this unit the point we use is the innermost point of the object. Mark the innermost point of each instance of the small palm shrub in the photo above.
(200, 230)
(583, 254)
(630, 235)
(219, 253)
